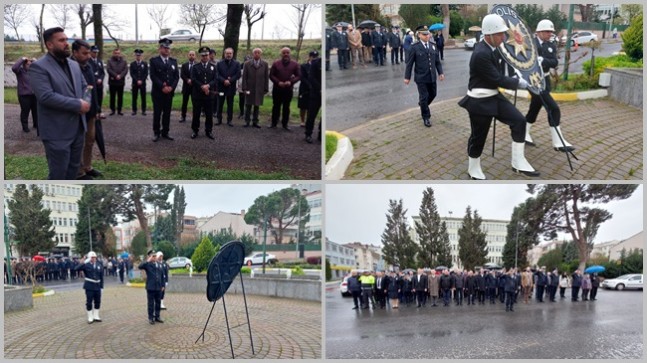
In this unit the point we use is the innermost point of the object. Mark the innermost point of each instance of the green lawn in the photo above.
(35, 168)
(331, 146)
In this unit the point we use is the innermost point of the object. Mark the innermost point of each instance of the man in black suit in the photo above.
(227, 74)
(483, 100)
(340, 42)
(185, 74)
(381, 286)
(93, 275)
(425, 56)
(420, 286)
(203, 79)
(314, 78)
(154, 286)
(165, 75)
(139, 74)
(99, 75)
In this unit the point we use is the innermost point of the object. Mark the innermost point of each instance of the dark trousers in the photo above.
(327, 54)
(92, 296)
(552, 292)
(342, 58)
(481, 296)
(281, 98)
(64, 156)
(121, 276)
(313, 109)
(509, 299)
(508, 114)
(492, 294)
(249, 116)
(585, 294)
(119, 92)
(241, 104)
(401, 53)
(367, 296)
(154, 298)
(201, 103)
(186, 96)
(384, 54)
(575, 292)
(422, 297)
(394, 55)
(441, 50)
(426, 94)
(139, 91)
(100, 96)
(378, 56)
(380, 297)
(230, 107)
(458, 296)
(501, 294)
(446, 296)
(162, 112)
(539, 293)
(594, 292)
(357, 298)
(562, 292)
(554, 113)
(28, 104)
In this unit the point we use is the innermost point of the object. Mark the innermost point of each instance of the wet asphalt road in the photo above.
(356, 96)
(599, 329)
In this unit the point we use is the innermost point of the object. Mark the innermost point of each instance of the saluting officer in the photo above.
(154, 286)
(483, 100)
(93, 273)
(547, 56)
(203, 79)
(425, 56)
(165, 75)
(139, 73)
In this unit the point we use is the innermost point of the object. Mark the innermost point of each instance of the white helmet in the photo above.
(492, 24)
(91, 254)
(545, 25)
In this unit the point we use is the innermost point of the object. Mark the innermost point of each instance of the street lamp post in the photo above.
(264, 238)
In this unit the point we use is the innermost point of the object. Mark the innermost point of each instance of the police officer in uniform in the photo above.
(139, 73)
(483, 100)
(164, 266)
(93, 273)
(427, 64)
(379, 43)
(547, 56)
(340, 42)
(165, 75)
(203, 79)
(154, 286)
(99, 75)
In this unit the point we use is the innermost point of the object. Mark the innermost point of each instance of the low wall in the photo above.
(17, 298)
(267, 286)
(627, 85)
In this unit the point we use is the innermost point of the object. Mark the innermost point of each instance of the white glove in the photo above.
(540, 59)
(522, 84)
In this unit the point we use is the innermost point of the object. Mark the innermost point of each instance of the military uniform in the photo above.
(164, 72)
(93, 274)
(203, 73)
(139, 72)
(427, 66)
(154, 285)
(340, 41)
(378, 41)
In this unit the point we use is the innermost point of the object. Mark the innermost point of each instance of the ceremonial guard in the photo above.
(154, 286)
(93, 273)
(483, 100)
(99, 74)
(547, 57)
(185, 74)
(395, 41)
(427, 64)
(165, 75)
(139, 74)
(203, 78)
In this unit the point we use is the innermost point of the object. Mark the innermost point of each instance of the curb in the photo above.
(46, 293)
(565, 97)
(136, 284)
(341, 159)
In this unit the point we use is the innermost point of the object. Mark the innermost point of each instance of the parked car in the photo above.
(179, 262)
(183, 34)
(471, 42)
(580, 38)
(343, 286)
(629, 281)
(257, 259)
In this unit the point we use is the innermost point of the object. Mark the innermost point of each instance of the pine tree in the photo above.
(433, 239)
(398, 246)
(522, 235)
(177, 214)
(33, 231)
(445, 251)
(203, 255)
(98, 203)
(472, 246)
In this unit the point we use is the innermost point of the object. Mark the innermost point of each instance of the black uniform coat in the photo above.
(395, 40)
(548, 51)
(154, 275)
(340, 40)
(427, 63)
(202, 74)
(99, 71)
(92, 272)
(378, 39)
(139, 73)
(163, 74)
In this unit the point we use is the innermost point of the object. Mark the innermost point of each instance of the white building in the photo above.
(603, 249)
(62, 200)
(391, 11)
(535, 253)
(637, 241)
(496, 231)
(340, 257)
(367, 257)
(222, 221)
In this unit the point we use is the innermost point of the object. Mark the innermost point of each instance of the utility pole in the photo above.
(263, 25)
(352, 10)
(569, 32)
(264, 238)
(136, 26)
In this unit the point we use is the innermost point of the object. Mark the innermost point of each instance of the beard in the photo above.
(61, 53)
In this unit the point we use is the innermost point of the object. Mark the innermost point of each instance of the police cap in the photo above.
(165, 42)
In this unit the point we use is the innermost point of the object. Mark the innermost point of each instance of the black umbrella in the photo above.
(367, 24)
(440, 268)
(98, 137)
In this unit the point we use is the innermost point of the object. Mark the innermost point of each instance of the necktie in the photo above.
(427, 46)
(164, 61)
(190, 65)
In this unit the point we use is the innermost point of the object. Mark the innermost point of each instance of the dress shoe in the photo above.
(427, 122)
(271, 127)
(158, 320)
(143, 113)
(156, 138)
(194, 135)
(112, 113)
(151, 322)
(256, 126)
(355, 308)
(286, 128)
(167, 137)
(183, 119)
(230, 124)
(209, 135)
(246, 125)
(309, 139)
(25, 129)
(133, 114)
(93, 173)
(119, 113)
(84, 177)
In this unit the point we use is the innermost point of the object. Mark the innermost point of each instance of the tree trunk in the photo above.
(98, 27)
(42, 42)
(445, 10)
(249, 35)
(232, 29)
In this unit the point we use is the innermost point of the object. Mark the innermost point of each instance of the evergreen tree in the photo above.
(138, 244)
(342, 12)
(177, 214)
(445, 251)
(203, 255)
(430, 232)
(280, 209)
(163, 230)
(33, 231)
(398, 246)
(167, 248)
(524, 227)
(472, 246)
(96, 207)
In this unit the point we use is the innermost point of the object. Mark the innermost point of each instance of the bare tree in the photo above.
(84, 11)
(253, 13)
(38, 26)
(200, 16)
(61, 13)
(112, 22)
(97, 15)
(159, 15)
(15, 15)
(302, 14)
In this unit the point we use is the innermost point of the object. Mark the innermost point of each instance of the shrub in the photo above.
(37, 289)
(203, 255)
(136, 280)
(245, 270)
(633, 38)
(615, 61)
(167, 249)
(578, 82)
(298, 271)
(328, 271)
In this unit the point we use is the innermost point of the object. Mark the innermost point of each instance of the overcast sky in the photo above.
(357, 212)
(278, 23)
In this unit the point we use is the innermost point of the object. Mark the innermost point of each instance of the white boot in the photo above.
(162, 307)
(474, 169)
(90, 319)
(557, 143)
(96, 315)
(519, 162)
(528, 137)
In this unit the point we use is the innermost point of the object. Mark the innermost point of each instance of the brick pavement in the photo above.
(56, 328)
(608, 136)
